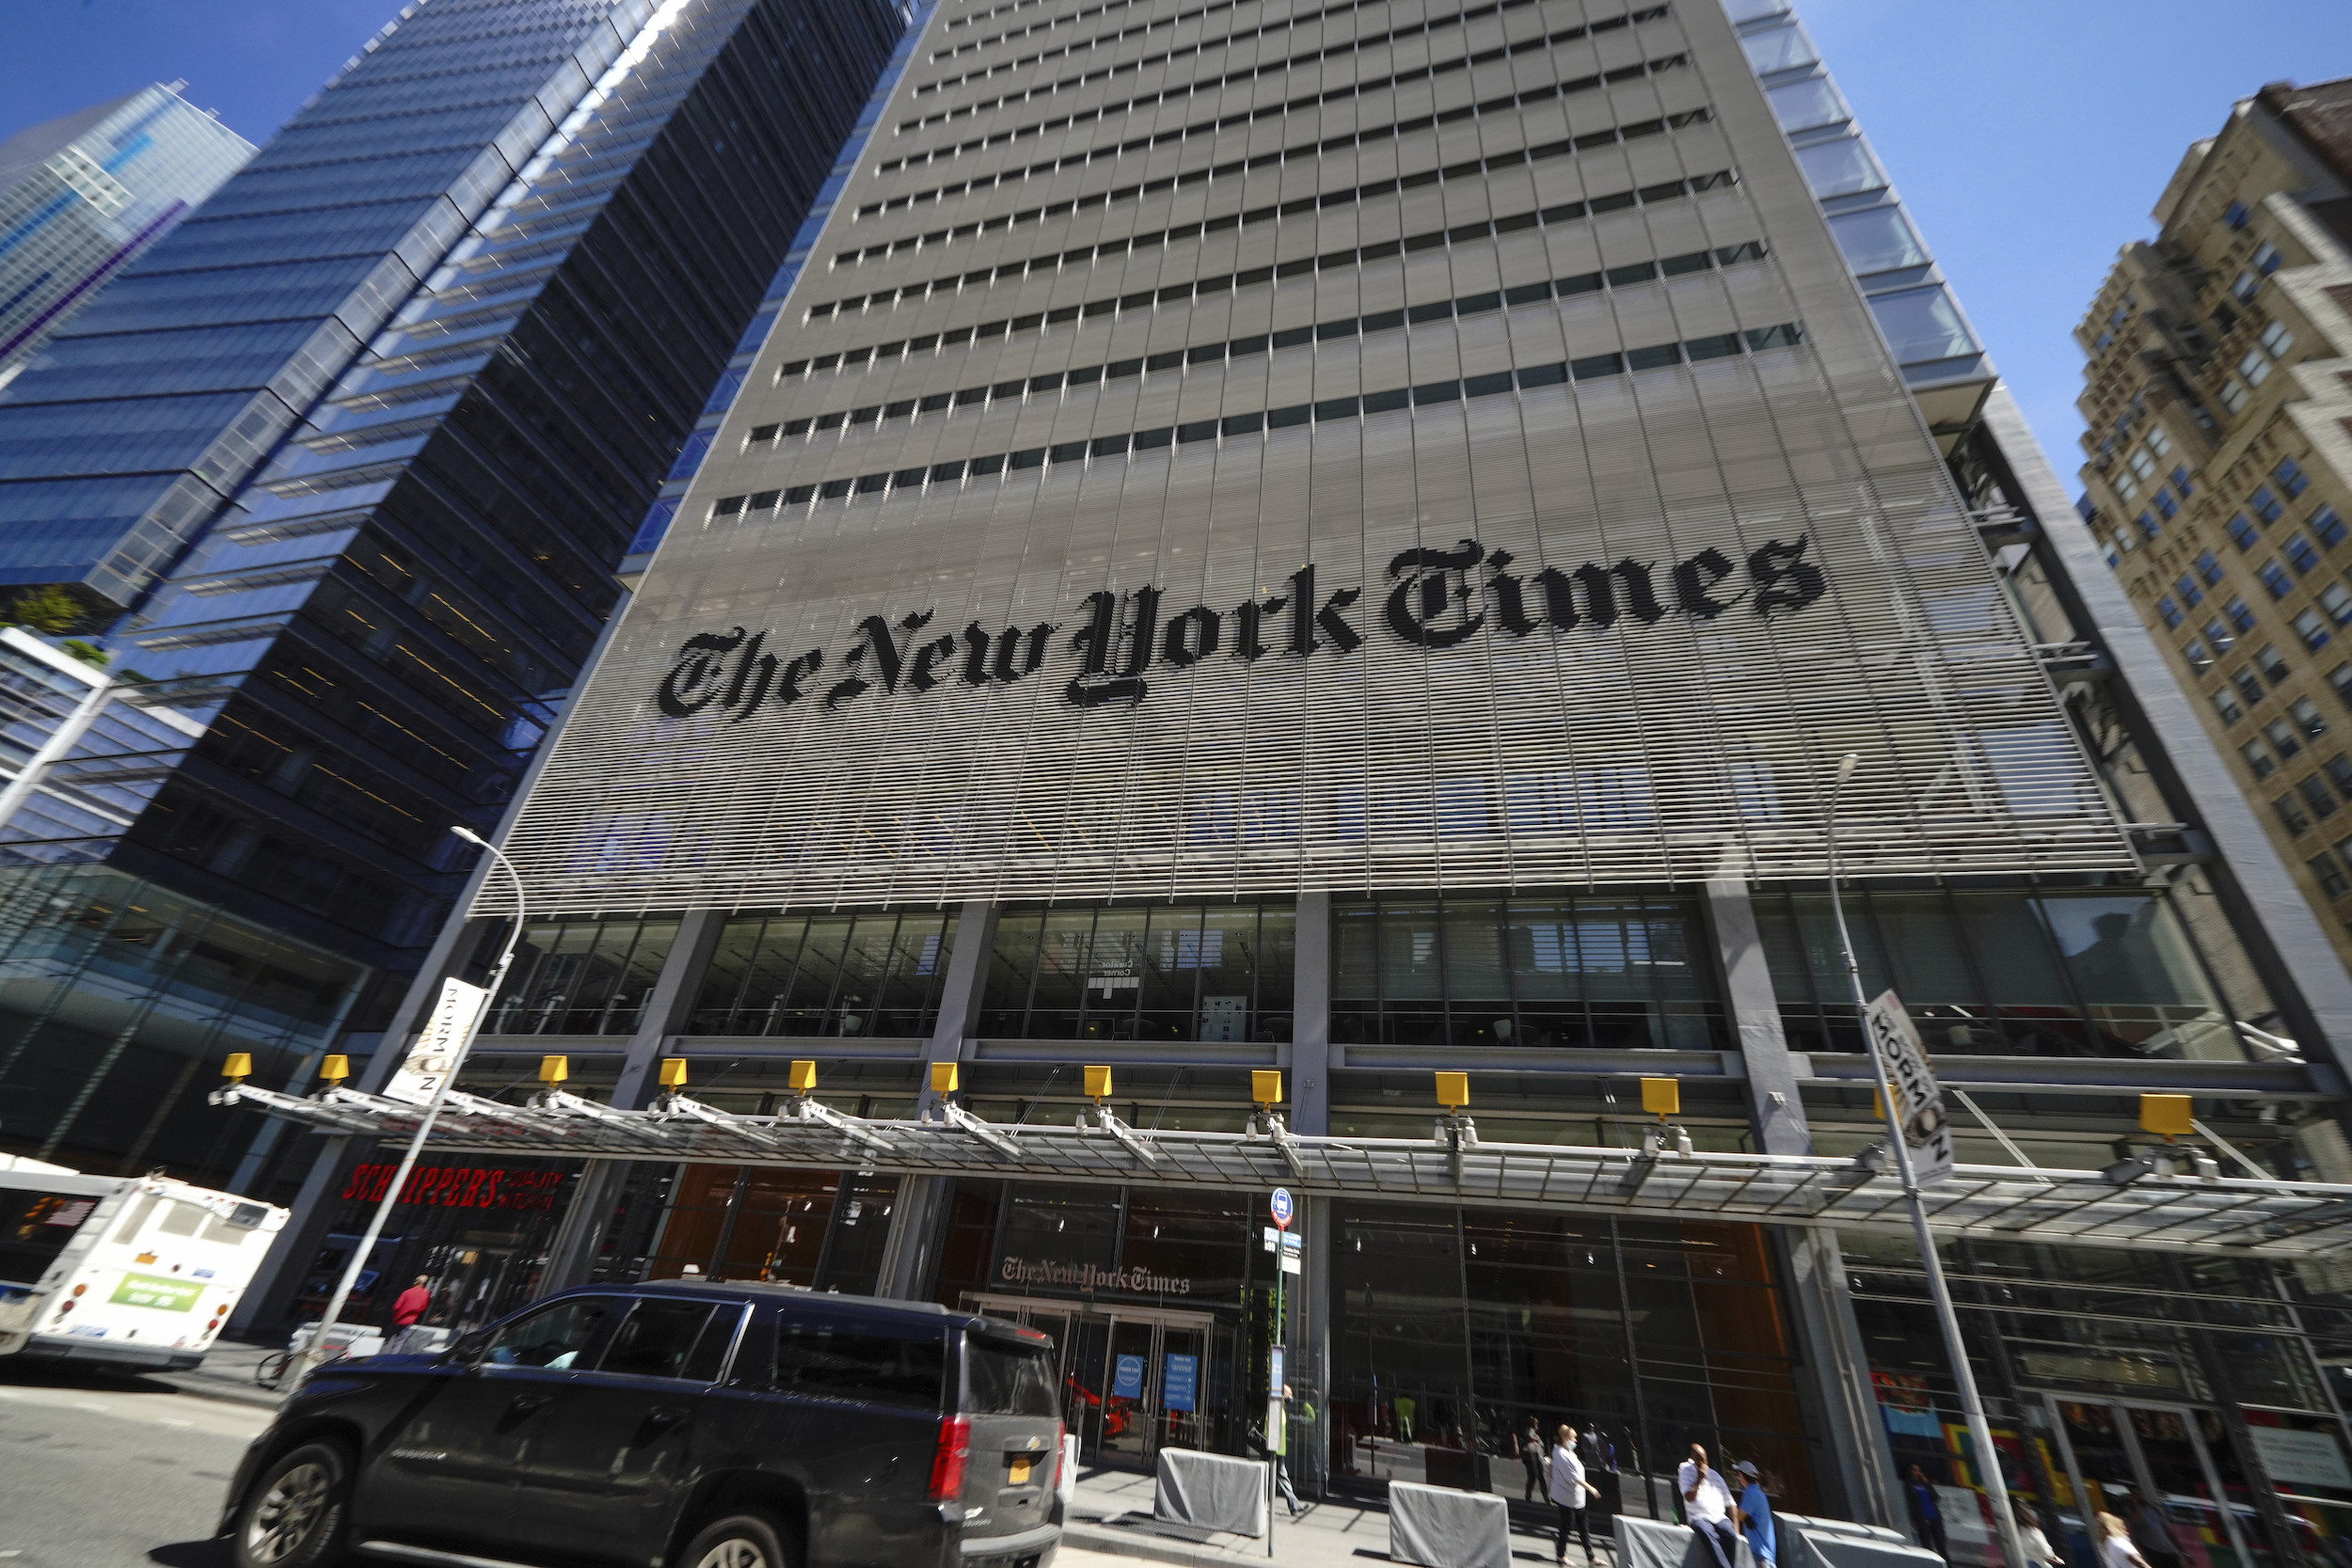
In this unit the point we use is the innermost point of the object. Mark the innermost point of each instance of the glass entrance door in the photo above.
(2165, 1471)
(1131, 1397)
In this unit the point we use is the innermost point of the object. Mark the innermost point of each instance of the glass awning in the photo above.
(2177, 1213)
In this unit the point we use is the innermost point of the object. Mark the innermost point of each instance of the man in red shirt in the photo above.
(410, 1305)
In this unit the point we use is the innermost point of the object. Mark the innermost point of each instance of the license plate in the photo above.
(1020, 1470)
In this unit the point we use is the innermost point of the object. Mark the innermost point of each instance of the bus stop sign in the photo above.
(1280, 1208)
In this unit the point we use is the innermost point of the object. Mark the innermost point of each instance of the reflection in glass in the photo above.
(1778, 49)
(1922, 325)
(1840, 168)
(1878, 240)
(1802, 105)
(870, 974)
(1183, 972)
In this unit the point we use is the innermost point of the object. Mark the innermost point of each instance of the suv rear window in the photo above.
(1004, 1379)
(827, 1362)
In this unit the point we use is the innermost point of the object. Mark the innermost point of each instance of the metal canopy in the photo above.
(2181, 1214)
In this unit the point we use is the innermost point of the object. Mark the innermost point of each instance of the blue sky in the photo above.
(2028, 136)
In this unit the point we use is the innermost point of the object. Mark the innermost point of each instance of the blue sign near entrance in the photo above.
(1183, 1371)
(1127, 1378)
(1281, 1208)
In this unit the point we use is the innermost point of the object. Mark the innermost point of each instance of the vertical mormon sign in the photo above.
(430, 1060)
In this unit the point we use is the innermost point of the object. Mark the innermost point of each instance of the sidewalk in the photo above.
(1112, 1513)
(227, 1373)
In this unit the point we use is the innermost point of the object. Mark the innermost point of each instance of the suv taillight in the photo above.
(955, 1444)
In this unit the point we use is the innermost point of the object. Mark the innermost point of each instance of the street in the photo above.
(123, 1472)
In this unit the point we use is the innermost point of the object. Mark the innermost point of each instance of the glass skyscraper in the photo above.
(342, 471)
(82, 196)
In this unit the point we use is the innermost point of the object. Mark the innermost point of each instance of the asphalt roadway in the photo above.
(129, 1472)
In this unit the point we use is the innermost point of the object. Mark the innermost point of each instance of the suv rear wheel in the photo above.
(738, 1541)
(294, 1516)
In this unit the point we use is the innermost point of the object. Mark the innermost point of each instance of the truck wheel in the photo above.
(738, 1541)
(294, 1517)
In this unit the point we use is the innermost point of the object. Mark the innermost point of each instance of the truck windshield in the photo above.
(35, 1228)
(1001, 1378)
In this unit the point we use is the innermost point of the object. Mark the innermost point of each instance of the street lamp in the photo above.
(314, 1355)
(1972, 1405)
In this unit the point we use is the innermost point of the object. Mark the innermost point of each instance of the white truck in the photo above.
(137, 1272)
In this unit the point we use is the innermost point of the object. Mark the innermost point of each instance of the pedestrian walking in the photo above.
(1926, 1516)
(1706, 1504)
(2116, 1549)
(1281, 1464)
(1564, 1482)
(2150, 1531)
(1756, 1517)
(1531, 1457)
(2037, 1545)
(408, 1308)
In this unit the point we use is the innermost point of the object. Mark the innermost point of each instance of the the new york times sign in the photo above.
(1434, 599)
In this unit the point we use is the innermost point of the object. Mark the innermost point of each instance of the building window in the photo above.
(2339, 769)
(2277, 340)
(2208, 566)
(2274, 576)
(2225, 704)
(2291, 813)
(2311, 629)
(2191, 594)
(1994, 971)
(2167, 505)
(2127, 488)
(2289, 473)
(2300, 553)
(2258, 759)
(2250, 686)
(2143, 466)
(2170, 612)
(2308, 718)
(1611, 973)
(580, 978)
(873, 975)
(2242, 532)
(2239, 615)
(2147, 525)
(2266, 506)
(2253, 367)
(2266, 257)
(2328, 526)
(2272, 665)
(2284, 738)
(2337, 602)
(2331, 882)
(2159, 442)
(1215, 971)
(2244, 284)
(2237, 216)
(2219, 635)
(2317, 796)
(2180, 482)
(2341, 678)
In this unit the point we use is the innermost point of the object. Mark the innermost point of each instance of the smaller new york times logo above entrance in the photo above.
(1434, 598)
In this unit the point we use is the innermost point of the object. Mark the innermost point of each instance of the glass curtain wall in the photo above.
(582, 977)
(826, 975)
(2107, 972)
(1449, 1330)
(1183, 972)
(1623, 971)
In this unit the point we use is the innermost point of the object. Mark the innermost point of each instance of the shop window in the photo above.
(582, 977)
(1999, 972)
(874, 974)
(1185, 972)
(1614, 972)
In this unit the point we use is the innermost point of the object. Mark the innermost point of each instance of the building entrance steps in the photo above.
(1112, 1513)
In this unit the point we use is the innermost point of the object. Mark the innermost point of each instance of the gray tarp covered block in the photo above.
(1210, 1490)
(1654, 1544)
(1440, 1528)
(1830, 1544)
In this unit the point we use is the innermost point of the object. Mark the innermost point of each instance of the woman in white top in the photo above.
(1563, 1479)
(2115, 1545)
(2030, 1536)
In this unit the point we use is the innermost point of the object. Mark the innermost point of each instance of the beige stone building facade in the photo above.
(2219, 395)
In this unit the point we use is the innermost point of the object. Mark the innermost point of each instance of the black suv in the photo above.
(673, 1426)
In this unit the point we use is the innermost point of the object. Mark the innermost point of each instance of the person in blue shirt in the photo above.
(1756, 1517)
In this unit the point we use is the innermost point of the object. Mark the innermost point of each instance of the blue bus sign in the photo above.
(1280, 1208)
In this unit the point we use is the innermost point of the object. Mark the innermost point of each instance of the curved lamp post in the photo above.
(314, 1355)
